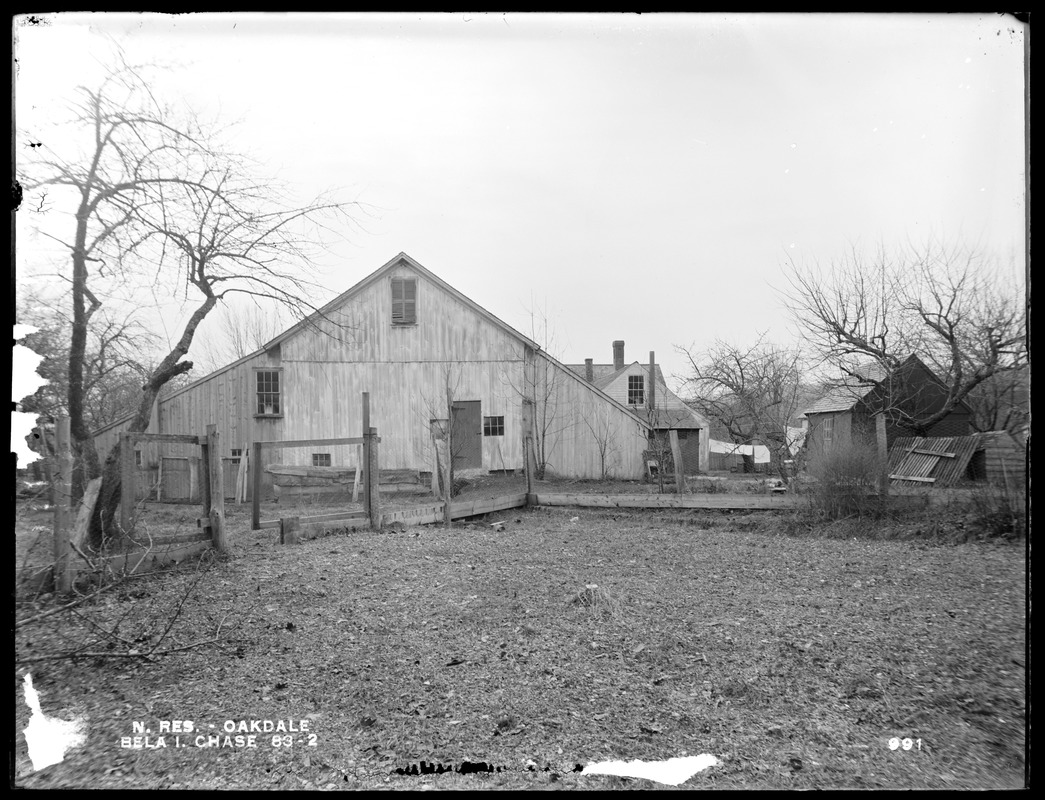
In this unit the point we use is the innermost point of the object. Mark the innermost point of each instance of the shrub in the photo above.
(846, 483)
(998, 510)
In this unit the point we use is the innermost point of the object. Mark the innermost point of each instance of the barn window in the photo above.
(268, 393)
(404, 301)
(137, 458)
(636, 390)
(827, 429)
(237, 452)
(321, 459)
(493, 426)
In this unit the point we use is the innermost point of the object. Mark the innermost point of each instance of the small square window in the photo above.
(404, 301)
(237, 453)
(636, 390)
(493, 426)
(321, 459)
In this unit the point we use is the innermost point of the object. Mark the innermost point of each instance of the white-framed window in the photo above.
(404, 301)
(237, 454)
(268, 393)
(493, 426)
(636, 390)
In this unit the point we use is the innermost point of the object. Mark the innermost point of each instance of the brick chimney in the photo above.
(618, 355)
(589, 371)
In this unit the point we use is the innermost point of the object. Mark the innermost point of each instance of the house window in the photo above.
(268, 393)
(237, 453)
(404, 301)
(321, 459)
(493, 426)
(636, 390)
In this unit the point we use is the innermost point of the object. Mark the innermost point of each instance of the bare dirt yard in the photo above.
(557, 638)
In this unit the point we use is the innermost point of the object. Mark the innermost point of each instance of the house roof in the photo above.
(845, 395)
(680, 416)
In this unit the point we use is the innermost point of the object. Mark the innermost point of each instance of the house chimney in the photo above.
(589, 371)
(618, 355)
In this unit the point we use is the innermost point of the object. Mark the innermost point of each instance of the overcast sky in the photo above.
(634, 177)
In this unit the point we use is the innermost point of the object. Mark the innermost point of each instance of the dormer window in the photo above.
(404, 301)
(636, 390)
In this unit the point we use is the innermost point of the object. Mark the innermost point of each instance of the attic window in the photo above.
(404, 301)
(636, 390)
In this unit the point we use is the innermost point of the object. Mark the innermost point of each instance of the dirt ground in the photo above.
(537, 640)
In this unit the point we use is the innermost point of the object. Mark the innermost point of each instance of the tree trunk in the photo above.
(102, 528)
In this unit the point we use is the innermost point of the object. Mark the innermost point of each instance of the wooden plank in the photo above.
(255, 501)
(265, 524)
(912, 478)
(676, 456)
(921, 452)
(487, 505)
(241, 474)
(367, 477)
(289, 530)
(174, 438)
(217, 490)
(738, 501)
(309, 442)
(358, 474)
(374, 490)
(333, 517)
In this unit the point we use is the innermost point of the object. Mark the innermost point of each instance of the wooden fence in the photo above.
(72, 521)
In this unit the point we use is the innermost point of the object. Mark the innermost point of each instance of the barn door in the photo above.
(467, 434)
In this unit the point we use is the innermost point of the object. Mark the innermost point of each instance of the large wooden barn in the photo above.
(404, 336)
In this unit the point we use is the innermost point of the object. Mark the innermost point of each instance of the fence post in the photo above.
(216, 512)
(676, 456)
(255, 500)
(367, 458)
(289, 530)
(374, 485)
(883, 454)
(127, 487)
(205, 478)
(63, 495)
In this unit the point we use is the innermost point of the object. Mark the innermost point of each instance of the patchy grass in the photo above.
(551, 642)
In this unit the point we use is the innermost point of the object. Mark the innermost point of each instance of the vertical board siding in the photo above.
(328, 364)
(571, 448)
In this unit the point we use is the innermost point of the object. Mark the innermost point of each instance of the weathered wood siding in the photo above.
(579, 417)
(406, 369)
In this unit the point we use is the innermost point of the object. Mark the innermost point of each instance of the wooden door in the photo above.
(467, 434)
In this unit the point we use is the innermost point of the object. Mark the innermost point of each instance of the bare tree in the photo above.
(607, 442)
(949, 305)
(241, 331)
(159, 202)
(114, 363)
(755, 393)
(538, 388)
